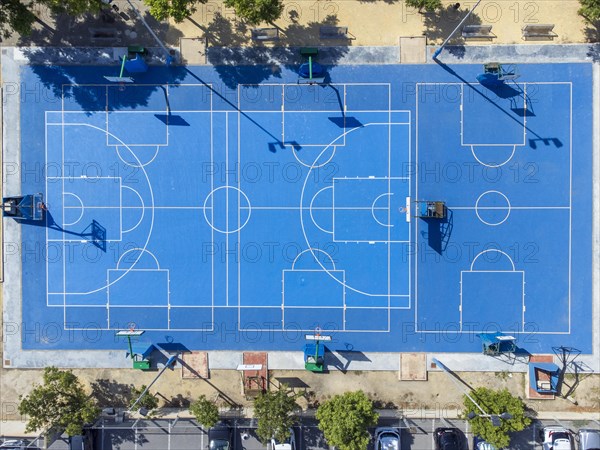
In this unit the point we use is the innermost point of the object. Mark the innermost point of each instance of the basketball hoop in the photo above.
(131, 326)
(318, 331)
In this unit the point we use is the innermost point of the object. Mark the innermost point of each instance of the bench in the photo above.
(539, 30)
(478, 32)
(329, 32)
(104, 35)
(309, 51)
(265, 34)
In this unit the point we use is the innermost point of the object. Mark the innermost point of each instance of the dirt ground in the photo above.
(437, 397)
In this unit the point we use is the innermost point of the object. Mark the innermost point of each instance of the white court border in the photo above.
(416, 241)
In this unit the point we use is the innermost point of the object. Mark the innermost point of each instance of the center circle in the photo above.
(227, 209)
(492, 208)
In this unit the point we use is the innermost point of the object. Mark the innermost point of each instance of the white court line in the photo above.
(568, 208)
(389, 185)
(246, 111)
(570, 195)
(74, 178)
(308, 208)
(511, 207)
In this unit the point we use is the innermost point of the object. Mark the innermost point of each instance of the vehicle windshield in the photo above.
(219, 444)
(449, 441)
(388, 441)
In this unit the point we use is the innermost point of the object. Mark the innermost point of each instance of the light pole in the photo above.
(439, 50)
(495, 418)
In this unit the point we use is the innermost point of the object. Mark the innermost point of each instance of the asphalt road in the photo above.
(186, 434)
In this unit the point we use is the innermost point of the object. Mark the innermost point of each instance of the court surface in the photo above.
(242, 210)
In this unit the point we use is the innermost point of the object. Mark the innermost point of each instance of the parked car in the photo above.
(447, 439)
(288, 444)
(219, 437)
(387, 439)
(557, 438)
(589, 439)
(15, 444)
(82, 441)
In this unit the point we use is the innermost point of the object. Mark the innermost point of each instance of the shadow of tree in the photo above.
(74, 83)
(114, 438)
(439, 24)
(592, 32)
(118, 23)
(373, 1)
(110, 393)
(237, 62)
(178, 401)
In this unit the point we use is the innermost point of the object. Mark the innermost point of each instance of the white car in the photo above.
(15, 444)
(557, 438)
(387, 439)
(589, 439)
(288, 444)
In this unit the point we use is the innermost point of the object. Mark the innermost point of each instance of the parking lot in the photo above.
(186, 434)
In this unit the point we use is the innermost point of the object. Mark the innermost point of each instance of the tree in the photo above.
(205, 412)
(275, 413)
(590, 10)
(178, 10)
(345, 418)
(256, 11)
(427, 5)
(59, 402)
(15, 16)
(148, 401)
(495, 403)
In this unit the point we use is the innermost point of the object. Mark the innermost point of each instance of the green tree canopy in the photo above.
(205, 412)
(495, 403)
(590, 10)
(178, 10)
(148, 401)
(256, 11)
(15, 16)
(427, 5)
(345, 418)
(59, 402)
(274, 411)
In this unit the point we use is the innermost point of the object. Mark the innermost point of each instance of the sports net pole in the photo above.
(439, 50)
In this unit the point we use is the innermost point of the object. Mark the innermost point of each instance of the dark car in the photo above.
(447, 439)
(219, 437)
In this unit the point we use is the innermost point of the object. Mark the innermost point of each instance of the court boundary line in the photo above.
(63, 125)
(569, 208)
(389, 125)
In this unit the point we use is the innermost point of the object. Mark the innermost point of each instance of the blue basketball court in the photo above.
(244, 217)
